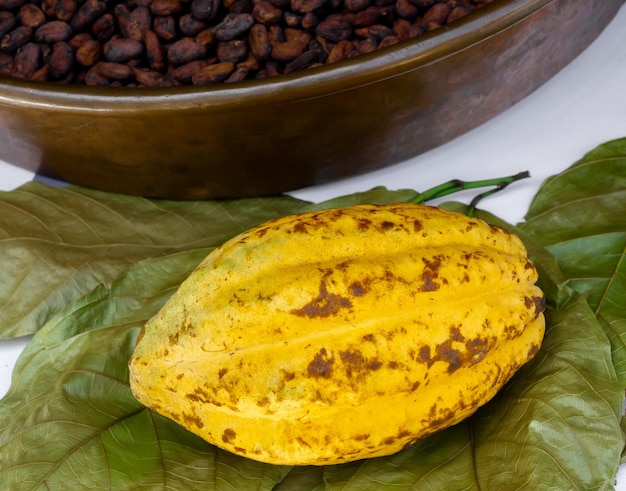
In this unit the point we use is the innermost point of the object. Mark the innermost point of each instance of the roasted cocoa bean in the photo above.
(87, 14)
(139, 20)
(7, 22)
(388, 41)
(335, 28)
(114, 71)
(89, 52)
(340, 51)
(369, 16)
(11, 4)
(151, 78)
(206, 37)
(65, 9)
(53, 31)
(190, 26)
(310, 21)
(212, 74)
(31, 15)
(259, 41)
(436, 16)
(49, 7)
(297, 36)
(241, 7)
(27, 60)
(184, 73)
(7, 64)
(185, 50)
(239, 74)
(275, 34)
(16, 38)
(251, 64)
(175, 42)
(292, 20)
(61, 60)
(165, 27)
(93, 77)
(166, 7)
(356, 5)
(204, 9)
(367, 46)
(79, 39)
(40, 75)
(266, 13)
(232, 51)
(103, 28)
(155, 53)
(121, 50)
(232, 26)
(301, 62)
(402, 28)
(457, 12)
(405, 9)
(377, 32)
(306, 6)
(287, 51)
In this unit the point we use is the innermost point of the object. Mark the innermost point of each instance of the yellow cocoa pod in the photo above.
(342, 334)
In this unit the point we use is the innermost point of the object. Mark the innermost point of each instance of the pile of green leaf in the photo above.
(84, 270)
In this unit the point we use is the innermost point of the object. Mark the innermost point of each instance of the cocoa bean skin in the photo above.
(232, 51)
(184, 51)
(204, 9)
(7, 22)
(103, 28)
(121, 50)
(233, 26)
(334, 28)
(31, 15)
(114, 71)
(16, 38)
(266, 13)
(61, 60)
(11, 4)
(165, 27)
(89, 52)
(27, 60)
(212, 74)
(260, 45)
(166, 7)
(53, 31)
(87, 14)
(155, 53)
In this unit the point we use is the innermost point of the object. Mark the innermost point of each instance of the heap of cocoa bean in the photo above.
(163, 43)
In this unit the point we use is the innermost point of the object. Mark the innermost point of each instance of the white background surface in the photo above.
(580, 108)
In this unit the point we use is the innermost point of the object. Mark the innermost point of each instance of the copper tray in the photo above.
(275, 135)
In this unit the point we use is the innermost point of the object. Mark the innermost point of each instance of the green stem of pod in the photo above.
(456, 185)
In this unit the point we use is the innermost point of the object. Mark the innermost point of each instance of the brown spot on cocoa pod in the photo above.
(193, 420)
(229, 435)
(324, 305)
(322, 365)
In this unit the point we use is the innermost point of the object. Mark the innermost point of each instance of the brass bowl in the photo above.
(274, 135)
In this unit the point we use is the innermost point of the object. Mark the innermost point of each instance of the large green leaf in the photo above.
(70, 421)
(58, 243)
(580, 217)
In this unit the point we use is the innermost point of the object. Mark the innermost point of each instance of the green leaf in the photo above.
(580, 217)
(58, 243)
(69, 420)
(72, 380)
